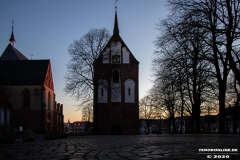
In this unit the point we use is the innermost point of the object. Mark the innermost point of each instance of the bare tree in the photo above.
(165, 91)
(147, 110)
(87, 113)
(83, 52)
(220, 21)
(180, 52)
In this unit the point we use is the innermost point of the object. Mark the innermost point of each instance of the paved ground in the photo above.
(165, 146)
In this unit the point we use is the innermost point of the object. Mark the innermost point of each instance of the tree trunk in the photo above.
(148, 125)
(169, 126)
(181, 129)
(221, 82)
(191, 123)
(229, 34)
(173, 123)
(235, 117)
(222, 96)
(182, 99)
(197, 105)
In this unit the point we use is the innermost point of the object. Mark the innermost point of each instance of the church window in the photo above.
(115, 76)
(102, 92)
(106, 55)
(1, 116)
(26, 98)
(126, 54)
(129, 86)
(116, 87)
(8, 116)
(49, 100)
(116, 52)
(49, 124)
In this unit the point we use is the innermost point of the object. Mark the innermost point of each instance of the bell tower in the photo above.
(116, 101)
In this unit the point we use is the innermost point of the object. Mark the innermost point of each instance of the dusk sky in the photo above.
(46, 28)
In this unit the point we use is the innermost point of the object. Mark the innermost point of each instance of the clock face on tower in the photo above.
(116, 59)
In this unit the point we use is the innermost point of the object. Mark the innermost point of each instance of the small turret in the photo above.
(12, 39)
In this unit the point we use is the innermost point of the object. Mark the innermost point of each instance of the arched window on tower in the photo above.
(115, 76)
(129, 86)
(49, 100)
(102, 91)
(26, 98)
(116, 86)
(49, 125)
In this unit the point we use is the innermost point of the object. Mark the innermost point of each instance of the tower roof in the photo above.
(11, 53)
(116, 30)
(12, 39)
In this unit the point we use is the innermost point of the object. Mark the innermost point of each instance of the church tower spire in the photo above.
(12, 39)
(116, 30)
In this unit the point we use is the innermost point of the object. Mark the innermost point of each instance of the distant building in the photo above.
(116, 101)
(65, 128)
(208, 123)
(27, 98)
(79, 127)
(232, 114)
(156, 126)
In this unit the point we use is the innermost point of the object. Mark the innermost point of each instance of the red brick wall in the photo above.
(126, 115)
(127, 71)
(29, 119)
(53, 124)
(54, 127)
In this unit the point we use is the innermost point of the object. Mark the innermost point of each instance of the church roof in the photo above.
(12, 53)
(24, 72)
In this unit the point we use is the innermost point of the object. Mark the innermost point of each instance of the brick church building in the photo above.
(27, 99)
(116, 102)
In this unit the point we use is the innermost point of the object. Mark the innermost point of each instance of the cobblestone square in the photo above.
(106, 147)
